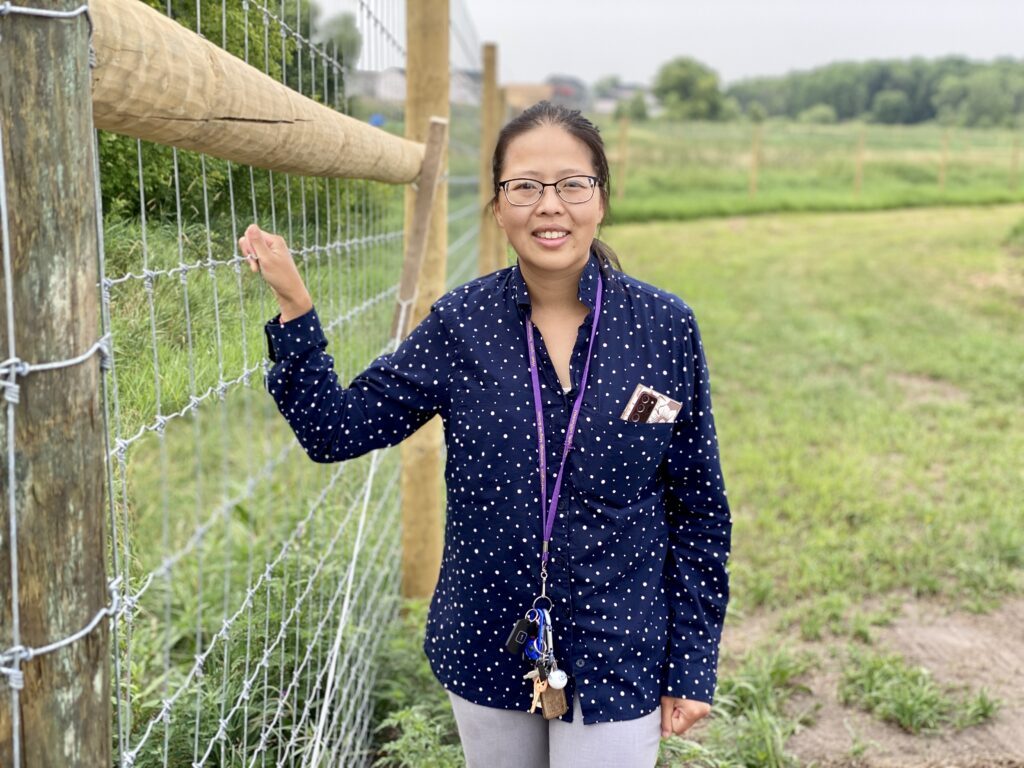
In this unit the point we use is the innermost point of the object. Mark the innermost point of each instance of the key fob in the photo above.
(521, 633)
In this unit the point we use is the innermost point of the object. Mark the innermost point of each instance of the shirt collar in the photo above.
(586, 293)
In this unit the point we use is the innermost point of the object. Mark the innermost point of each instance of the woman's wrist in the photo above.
(291, 309)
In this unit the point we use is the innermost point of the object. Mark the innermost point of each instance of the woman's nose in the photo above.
(549, 200)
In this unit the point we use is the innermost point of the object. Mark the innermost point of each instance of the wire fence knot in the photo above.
(106, 354)
(15, 677)
(12, 392)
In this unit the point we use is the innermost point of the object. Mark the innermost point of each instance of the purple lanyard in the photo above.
(548, 511)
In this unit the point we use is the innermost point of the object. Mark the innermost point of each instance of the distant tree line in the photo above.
(952, 90)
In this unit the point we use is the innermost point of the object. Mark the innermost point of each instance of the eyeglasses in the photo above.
(571, 189)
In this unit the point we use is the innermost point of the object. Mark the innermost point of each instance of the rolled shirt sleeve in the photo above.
(387, 402)
(696, 580)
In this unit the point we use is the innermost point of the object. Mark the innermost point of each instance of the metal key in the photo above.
(539, 686)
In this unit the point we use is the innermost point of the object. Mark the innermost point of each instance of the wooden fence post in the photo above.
(858, 173)
(52, 574)
(755, 159)
(623, 158)
(1015, 163)
(944, 160)
(427, 93)
(499, 242)
(489, 230)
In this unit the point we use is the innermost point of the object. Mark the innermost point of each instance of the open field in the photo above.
(867, 372)
(677, 171)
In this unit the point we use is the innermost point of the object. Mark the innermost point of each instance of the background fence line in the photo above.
(248, 587)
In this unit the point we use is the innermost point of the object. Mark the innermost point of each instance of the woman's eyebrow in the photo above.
(561, 174)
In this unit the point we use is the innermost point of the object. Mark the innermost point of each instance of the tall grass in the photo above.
(679, 171)
(906, 695)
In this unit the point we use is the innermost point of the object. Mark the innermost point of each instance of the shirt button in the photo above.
(581, 663)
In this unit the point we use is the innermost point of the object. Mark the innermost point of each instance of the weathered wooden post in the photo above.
(944, 160)
(623, 158)
(858, 172)
(489, 230)
(427, 86)
(54, 701)
(499, 243)
(755, 159)
(1015, 163)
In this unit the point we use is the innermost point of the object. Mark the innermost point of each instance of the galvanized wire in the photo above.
(249, 588)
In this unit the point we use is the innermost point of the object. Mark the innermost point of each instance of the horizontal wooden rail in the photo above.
(157, 81)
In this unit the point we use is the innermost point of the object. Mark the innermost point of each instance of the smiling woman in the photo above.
(615, 589)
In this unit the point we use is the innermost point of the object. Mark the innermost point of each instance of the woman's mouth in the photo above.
(550, 238)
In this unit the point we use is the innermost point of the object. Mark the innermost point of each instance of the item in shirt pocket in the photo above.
(648, 406)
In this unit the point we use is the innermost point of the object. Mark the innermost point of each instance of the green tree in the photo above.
(890, 106)
(635, 108)
(688, 89)
(119, 155)
(341, 31)
(821, 114)
(607, 86)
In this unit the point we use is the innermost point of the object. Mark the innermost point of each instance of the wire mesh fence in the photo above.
(250, 587)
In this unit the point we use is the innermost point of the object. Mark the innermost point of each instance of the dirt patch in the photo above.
(922, 389)
(1010, 284)
(965, 650)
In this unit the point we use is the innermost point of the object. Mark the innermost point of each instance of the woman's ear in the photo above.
(496, 210)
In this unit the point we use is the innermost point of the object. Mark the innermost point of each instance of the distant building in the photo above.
(569, 91)
(606, 105)
(519, 96)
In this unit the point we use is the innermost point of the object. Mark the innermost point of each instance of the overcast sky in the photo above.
(736, 38)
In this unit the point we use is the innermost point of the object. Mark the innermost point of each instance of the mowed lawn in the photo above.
(867, 373)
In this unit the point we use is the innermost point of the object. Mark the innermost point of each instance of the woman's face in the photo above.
(550, 234)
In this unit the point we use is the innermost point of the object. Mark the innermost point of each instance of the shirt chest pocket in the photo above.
(616, 460)
(486, 436)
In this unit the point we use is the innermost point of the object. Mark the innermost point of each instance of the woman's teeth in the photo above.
(551, 235)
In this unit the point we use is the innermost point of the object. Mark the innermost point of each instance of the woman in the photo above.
(587, 532)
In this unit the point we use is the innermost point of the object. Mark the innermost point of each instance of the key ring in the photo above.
(551, 604)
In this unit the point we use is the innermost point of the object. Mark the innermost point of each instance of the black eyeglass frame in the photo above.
(595, 182)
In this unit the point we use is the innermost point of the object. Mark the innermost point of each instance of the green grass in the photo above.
(866, 375)
(897, 692)
(681, 171)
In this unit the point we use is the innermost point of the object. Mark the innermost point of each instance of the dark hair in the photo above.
(574, 123)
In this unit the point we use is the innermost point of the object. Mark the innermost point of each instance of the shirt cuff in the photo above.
(295, 338)
(689, 680)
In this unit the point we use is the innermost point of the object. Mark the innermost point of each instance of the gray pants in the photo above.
(504, 738)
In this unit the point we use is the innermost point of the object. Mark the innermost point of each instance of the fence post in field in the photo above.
(1015, 163)
(623, 158)
(755, 159)
(54, 654)
(858, 173)
(489, 230)
(427, 87)
(499, 253)
(944, 160)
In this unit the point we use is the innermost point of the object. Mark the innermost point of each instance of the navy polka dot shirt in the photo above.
(638, 553)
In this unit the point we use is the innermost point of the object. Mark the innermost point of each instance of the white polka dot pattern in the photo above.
(640, 543)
